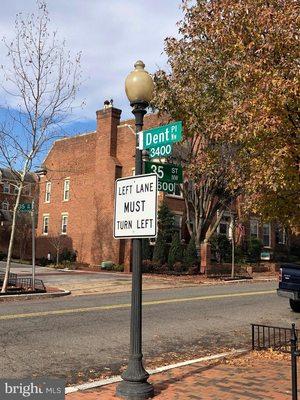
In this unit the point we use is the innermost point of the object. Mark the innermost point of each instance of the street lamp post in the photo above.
(139, 89)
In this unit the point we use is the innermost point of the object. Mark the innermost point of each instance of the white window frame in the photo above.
(48, 192)
(256, 222)
(6, 187)
(46, 217)
(67, 189)
(63, 216)
(176, 196)
(225, 222)
(267, 224)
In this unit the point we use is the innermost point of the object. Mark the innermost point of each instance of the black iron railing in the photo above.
(12, 278)
(274, 337)
(16, 284)
(26, 283)
(281, 339)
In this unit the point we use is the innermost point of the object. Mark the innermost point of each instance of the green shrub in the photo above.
(240, 255)
(295, 250)
(43, 261)
(221, 246)
(160, 250)
(118, 267)
(190, 258)
(175, 252)
(254, 249)
(165, 222)
(67, 255)
(147, 250)
(2, 256)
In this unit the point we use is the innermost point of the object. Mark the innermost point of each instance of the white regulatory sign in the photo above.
(136, 207)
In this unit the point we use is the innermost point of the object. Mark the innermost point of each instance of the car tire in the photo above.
(295, 305)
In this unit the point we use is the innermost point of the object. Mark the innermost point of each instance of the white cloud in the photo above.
(112, 35)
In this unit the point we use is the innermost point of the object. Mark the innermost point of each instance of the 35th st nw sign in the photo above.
(136, 207)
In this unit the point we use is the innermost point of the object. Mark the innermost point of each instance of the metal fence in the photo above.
(274, 337)
(12, 278)
(16, 284)
(281, 339)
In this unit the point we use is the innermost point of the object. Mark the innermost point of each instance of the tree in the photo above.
(165, 222)
(160, 249)
(233, 81)
(23, 234)
(56, 241)
(44, 78)
(175, 252)
(190, 254)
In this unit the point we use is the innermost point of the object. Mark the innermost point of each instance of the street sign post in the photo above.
(25, 207)
(135, 213)
(161, 135)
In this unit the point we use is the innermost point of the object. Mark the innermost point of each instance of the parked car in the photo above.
(289, 284)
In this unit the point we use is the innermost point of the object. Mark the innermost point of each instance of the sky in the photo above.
(112, 35)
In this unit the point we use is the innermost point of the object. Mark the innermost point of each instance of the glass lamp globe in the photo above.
(139, 85)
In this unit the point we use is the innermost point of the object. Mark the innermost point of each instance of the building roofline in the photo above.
(65, 138)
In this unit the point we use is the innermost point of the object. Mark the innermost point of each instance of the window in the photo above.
(178, 223)
(6, 187)
(254, 228)
(224, 225)
(5, 206)
(267, 235)
(48, 192)
(16, 189)
(177, 191)
(280, 235)
(64, 223)
(66, 189)
(46, 224)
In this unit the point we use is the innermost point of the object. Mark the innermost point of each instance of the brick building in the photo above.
(76, 202)
(8, 193)
(77, 192)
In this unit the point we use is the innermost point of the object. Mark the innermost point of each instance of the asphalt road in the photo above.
(82, 337)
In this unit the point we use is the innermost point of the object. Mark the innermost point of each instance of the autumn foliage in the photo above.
(234, 79)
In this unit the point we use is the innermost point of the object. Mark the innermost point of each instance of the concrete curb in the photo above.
(114, 379)
(34, 296)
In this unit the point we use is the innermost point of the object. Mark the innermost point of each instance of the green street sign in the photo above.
(167, 187)
(25, 207)
(161, 135)
(161, 151)
(165, 172)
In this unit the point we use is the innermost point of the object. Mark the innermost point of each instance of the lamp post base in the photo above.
(135, 390)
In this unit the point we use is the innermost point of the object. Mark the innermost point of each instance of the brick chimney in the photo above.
(108, 120)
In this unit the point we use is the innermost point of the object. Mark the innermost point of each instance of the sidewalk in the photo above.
(258, 376)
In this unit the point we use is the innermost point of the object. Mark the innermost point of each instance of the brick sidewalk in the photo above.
(241, 379)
